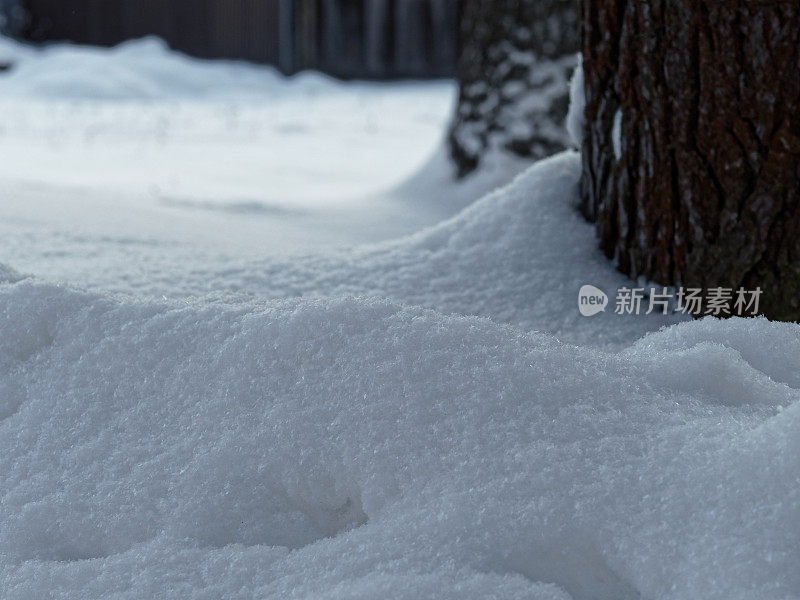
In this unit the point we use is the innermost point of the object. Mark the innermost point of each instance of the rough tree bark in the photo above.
(514, 66)
(703, 189)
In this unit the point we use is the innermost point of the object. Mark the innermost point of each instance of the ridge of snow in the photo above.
(518, 256)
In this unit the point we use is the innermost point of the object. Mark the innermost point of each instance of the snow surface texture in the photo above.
(517, 256)
(407, 420)
(355, 448)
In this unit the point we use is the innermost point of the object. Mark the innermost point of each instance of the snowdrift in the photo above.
(355, 448)
(518, 256)
(142, 69)
(332, 444)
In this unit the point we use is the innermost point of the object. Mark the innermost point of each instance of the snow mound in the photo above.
(139, 69)
(518, 256)
(355, 448)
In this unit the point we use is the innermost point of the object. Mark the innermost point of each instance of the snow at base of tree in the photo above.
(577, 104)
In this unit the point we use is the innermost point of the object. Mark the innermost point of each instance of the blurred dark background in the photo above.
(376, 39)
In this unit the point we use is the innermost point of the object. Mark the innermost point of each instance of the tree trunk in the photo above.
(514, 65)
(691, 154)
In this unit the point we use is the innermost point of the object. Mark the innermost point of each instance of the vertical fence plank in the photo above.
(227, 17)
(409, 21)
(444, 28)
(190, 28)
(377, 37)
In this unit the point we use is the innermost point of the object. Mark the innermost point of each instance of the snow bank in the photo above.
(356, 448)
(136, 70)
(518, 256)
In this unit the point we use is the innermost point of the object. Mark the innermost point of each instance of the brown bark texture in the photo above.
(514, 64)
(703, 189)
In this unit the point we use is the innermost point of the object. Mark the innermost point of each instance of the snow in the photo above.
(143, 69)
(510, 256)
(356, 447)
(214, 153)
(577, 105)
(188, 410)
(616, 134)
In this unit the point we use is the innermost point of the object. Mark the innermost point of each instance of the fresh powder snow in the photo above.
(353, 448)
(188, 412)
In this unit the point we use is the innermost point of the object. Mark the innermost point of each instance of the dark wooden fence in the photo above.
(346, 38)
(377, 38)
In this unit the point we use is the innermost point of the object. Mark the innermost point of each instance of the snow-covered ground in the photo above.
(209, 388)
(104, 150)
